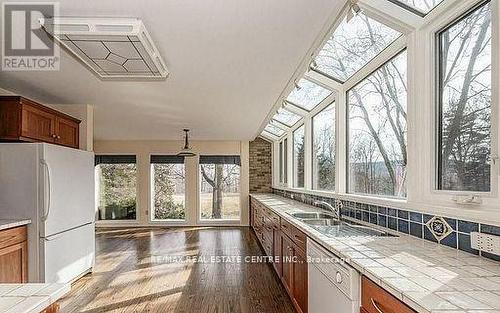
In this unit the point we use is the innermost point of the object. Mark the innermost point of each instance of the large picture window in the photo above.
(465, 103)
(220, 187)
(298, 157)
(323, 158)
(168, 187)
(116, 180)
(377, 131)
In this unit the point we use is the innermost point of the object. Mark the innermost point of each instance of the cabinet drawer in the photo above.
(12, 236)
(374, 299)
(298, 237)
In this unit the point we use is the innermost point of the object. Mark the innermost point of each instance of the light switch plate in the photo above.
(485, 242)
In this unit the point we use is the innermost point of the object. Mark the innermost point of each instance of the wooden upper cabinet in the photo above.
(37, 124)
(23, 120)
(67, 133)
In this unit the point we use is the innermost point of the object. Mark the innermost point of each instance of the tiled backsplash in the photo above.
(443, 230)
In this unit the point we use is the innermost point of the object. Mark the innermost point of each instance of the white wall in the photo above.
(143, 150)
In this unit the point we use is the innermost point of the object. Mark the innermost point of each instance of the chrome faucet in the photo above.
(335, 209)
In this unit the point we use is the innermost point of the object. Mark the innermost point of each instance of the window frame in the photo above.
(459, 14)
(347, 127)
(152, 194)
(137, 193)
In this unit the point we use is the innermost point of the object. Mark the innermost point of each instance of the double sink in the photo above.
(329, 225)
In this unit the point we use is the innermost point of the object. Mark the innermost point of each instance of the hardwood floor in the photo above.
(132, 274)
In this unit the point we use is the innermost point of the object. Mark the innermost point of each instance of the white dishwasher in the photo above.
(334, 287)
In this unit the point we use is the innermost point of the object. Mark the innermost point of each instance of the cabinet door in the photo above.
(37, 124)
(288, 257)
(374, 299)
(300, 279)
(67, 132)
(278, 265)
(13, 263)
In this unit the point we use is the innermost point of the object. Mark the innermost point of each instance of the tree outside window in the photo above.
(220, 187)
(465, 103)
(377, 131)
(324, 149)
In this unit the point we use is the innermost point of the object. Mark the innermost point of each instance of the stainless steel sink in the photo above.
(312, 215)
(329, 225)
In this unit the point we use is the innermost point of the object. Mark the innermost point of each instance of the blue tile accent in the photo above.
(373, 218)
(366, 216)
(416, 217)
(428, 234)
(450, 240)
(452, 222)
(403, 226)
(382, 210)
(403, 214)
(490, 229)
(373, 208)
(393, 223)
(392, 212)
(382, 220)
(416, 230)
(467, 227)
(427, 218)
(464, 244)
(358, 214)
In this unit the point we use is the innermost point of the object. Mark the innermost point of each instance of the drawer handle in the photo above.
(374, 303)
(298, 238)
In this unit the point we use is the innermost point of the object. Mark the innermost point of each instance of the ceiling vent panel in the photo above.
(111, 47)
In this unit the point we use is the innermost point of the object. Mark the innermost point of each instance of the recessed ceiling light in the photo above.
(111, 47)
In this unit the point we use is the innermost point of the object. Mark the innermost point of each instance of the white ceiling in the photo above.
(228, 61)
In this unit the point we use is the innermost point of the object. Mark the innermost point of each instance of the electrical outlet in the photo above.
(485, 242)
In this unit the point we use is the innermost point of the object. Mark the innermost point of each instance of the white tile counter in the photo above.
(30, 298)
(6, 224)
(429, 277)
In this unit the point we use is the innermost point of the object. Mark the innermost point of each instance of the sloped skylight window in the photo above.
(286, 117)
(352, 45)
(307, 94)
(420, 7)
(278, 132)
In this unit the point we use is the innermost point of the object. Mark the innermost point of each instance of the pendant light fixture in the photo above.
(186, 151)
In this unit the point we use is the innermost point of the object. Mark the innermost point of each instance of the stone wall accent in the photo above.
(260, 152)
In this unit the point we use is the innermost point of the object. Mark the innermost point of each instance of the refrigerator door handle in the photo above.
(47, 209)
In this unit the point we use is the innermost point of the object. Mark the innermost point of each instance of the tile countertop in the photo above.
(30, 298)
(428, 277)
(6, 224)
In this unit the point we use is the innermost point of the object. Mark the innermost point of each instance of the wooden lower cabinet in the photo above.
(285, 243)
(374, 299)
(300, 281)
(53, 308)
(14, 255)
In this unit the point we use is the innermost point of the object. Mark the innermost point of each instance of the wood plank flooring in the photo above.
(133, 274)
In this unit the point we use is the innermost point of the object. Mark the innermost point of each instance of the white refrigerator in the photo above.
(54, 187)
